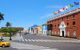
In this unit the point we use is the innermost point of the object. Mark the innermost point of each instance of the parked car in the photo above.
(26, 33)
(4, 43)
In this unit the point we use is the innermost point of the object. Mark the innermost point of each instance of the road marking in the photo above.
(43, 40)
(28, 46)
(40, 40)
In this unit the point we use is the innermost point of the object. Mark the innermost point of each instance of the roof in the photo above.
(66, 14)
(33, 26)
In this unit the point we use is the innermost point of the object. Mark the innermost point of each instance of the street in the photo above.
(40, 25)
(8, 48)
(36, 42)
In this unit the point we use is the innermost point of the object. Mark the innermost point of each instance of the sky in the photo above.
(25, 13)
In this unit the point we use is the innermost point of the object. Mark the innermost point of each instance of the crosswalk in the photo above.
(42, 40)
(21, 38)
(30, 38)
(22, 46)
(22, 43)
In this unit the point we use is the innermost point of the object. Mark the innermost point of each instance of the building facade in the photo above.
(44, 29)
(32, 29)
(39, 30)
(66, 25)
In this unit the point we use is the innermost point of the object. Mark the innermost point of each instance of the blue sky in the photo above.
(25, 13)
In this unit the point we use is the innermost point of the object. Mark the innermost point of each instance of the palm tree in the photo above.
(8, 24)
(1, 16)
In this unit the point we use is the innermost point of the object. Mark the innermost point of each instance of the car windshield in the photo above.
(2, 40)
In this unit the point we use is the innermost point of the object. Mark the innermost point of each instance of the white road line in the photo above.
(40, 40)
(26, 46)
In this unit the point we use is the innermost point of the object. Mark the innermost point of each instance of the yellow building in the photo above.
(39, 29)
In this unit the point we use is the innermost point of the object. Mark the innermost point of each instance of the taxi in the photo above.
(4, 43)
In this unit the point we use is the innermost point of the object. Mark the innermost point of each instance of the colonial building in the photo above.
(44, 29)
(32, 29)
(35, 29)
(39, 30)
(66, 25)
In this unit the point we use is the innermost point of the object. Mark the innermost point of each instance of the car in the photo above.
(26, 33)
(4, 43)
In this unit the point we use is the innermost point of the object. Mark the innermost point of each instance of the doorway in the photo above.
(62, 33)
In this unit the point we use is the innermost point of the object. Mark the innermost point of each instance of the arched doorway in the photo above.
(62, 33)
(50, 26)
(62, 28)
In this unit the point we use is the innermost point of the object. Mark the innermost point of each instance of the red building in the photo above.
(66, 25)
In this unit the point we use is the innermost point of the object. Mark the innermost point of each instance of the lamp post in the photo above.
(10, 36)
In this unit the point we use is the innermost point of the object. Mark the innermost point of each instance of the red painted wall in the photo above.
(78, 25)
(69, 19)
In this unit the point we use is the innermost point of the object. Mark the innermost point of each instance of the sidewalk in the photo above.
(47, 39)
(62, 38)
(57, 37)
(40, 40)
(6, 38)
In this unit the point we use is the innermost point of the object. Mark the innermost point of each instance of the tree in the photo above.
(1, 16)
(8, 24)
(9, 30)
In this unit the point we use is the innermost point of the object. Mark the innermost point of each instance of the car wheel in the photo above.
(8, 46)
(3, 45)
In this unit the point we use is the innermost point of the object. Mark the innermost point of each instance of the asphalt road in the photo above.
(26, 45)
(8, 48)
(58, 45)
(33, 36)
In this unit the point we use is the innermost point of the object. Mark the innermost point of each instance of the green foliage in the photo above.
(8, 24)
(1, 16)
(7, 34)
(8, 30)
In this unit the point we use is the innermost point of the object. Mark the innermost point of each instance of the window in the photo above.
(58, 24)
(73, 16)
(67, 17)
(62, 18)
(73, 22)
(55, 25)
(67, 24)
(58, 19)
